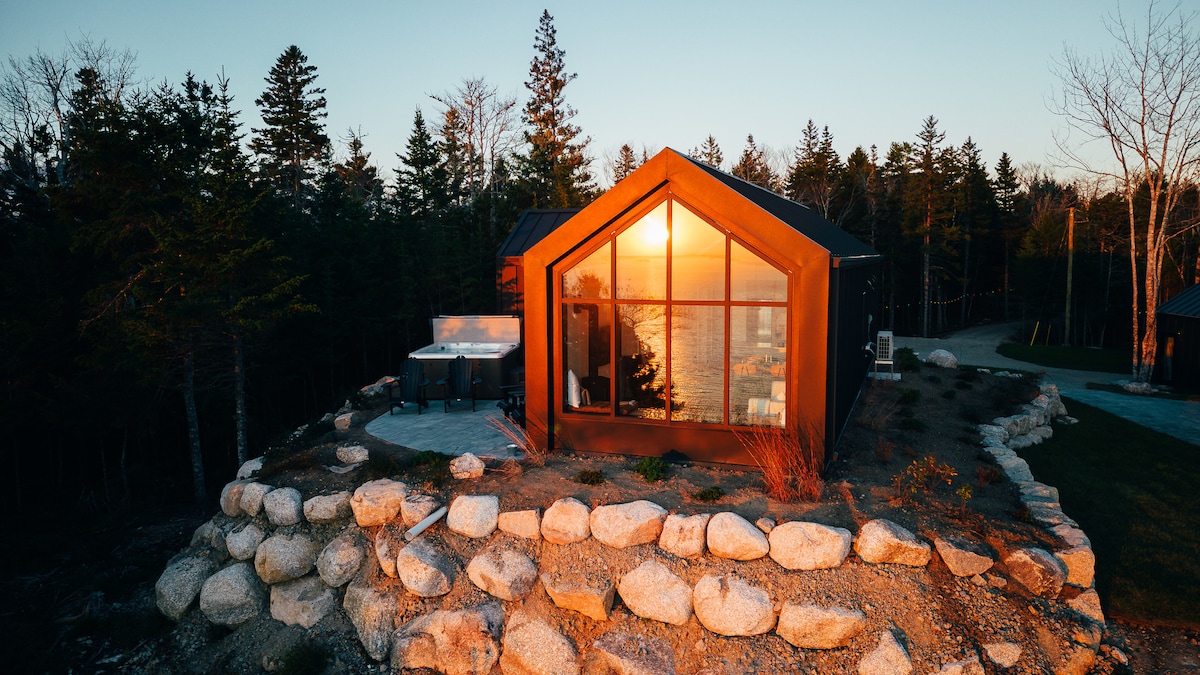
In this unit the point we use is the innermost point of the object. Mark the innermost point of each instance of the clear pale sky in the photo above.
(651, 74)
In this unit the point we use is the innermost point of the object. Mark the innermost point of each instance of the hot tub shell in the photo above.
(491, 343)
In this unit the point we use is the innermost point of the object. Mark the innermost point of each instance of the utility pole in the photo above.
(1070, 272)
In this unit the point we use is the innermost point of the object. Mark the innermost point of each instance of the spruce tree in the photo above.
(625, 163)
(753, 167)
(709, 153)
(554, 171)
(292, 144)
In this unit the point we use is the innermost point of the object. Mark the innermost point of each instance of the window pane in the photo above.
(587, 367)
(697, 257)
(592, 277)
(642, 345)
(753, 279)
(642, 257)
(757, 360)
(697, 360)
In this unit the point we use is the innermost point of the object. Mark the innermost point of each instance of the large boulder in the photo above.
(809, 546)
(416, 508)
(963, 557)
(232, 596)
(327, 508)
(533, 647)
(378, 501)
(373, 613)
(389, 540)
(1037, 570)
(942, 359)
(527, 523)
(1003, 654)
(243, 542)
(284, 506)
(1080, 562)
(888, 658)
(652, 591)
(970, 666)
(231, 498)
(341, 559)
(732, 536)
(466, 467)
(882, 541)
(179, 585)
(424, 570)
(566, 522)
(462, 642)
(474, 516)
(684, 536)
(352, 454)
(252, 497)
(620, 653)
(727, 605)
(250, 467)
(503, 571)
(302, 602)
(576, 591)
(809, 626)
(283, 557)
(625, 525)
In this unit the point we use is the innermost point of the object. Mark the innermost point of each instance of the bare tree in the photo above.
(488, 124)
(35, 94)
(1143, 101)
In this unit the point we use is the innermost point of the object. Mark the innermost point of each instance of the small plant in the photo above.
(653, 469)
(511, 468)
(589, 477)
(909, 396)
(306, 659)
(933, 379)
(907, 360)
(922, 476)
(912, 424)
(1023, 514)
(908, 450)
(986, 474)
(884, 449)
(970, 415)
(434, 465)
(709, 494)
(965, 386)
(949, 394)
(877, 410)
(963, 493)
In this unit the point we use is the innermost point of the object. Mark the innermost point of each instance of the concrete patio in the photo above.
(454, 433)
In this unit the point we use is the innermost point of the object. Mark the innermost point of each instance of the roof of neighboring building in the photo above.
(1186, 303)
(532, 227)
(804, 220)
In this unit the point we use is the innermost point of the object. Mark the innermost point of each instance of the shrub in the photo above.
(877, 410)
(970, 415)
(589, 477)
(907, 361)
(922, 476)
(965, 386)
(709, 494)
(909, 396)
(986, 474)
(912, 424)
(653, 469)
(789, 458)
(949, 394)
(883, 449)
(933, 379)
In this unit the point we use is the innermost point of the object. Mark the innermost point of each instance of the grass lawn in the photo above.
(1133, 491)
(1075, 358)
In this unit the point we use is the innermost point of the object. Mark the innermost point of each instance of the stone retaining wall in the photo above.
(299, 559)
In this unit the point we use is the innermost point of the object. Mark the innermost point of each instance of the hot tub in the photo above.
(491, 343)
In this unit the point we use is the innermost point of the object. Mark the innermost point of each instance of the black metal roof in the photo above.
(804, 220)
(1186, 303)
(532, 227)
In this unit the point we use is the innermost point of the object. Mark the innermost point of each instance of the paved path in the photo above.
(452, 433)
(977, 347)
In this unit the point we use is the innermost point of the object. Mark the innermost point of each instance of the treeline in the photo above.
(178, 291)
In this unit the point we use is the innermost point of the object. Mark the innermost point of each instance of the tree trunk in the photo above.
(193, 422)
(239, 396)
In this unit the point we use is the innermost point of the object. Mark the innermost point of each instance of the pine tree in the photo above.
(554, 172)
(709, 153)
(293, 143)
(815, 171)
(753, 167)
(625, 163)
(1008, 190)
(422, 182)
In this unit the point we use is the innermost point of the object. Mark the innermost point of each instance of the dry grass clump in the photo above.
(790, 459)
(877, 408)
(517, 436)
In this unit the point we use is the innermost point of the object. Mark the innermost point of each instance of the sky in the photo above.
(651, 74)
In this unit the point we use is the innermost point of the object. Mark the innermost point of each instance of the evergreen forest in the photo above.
(179, 292)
